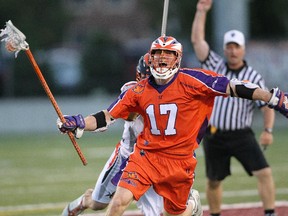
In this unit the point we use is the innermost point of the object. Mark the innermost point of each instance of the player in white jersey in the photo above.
(99, 197)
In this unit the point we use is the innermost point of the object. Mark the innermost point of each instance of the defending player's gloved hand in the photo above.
(279, 101)
(75, 124)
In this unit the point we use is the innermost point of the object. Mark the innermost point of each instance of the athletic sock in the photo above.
(215, 214)
(75, 207)
(270, 212)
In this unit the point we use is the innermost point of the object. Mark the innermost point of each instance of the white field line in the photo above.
(250, 205)
(134, 212)
(243, 193)
(205, 208)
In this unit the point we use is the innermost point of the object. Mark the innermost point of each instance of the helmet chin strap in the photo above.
(164, 72)
(169, 73)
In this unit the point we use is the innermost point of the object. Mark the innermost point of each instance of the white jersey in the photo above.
(129, 136)
(150, 203)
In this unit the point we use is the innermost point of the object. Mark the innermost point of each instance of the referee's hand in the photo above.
(266, 139)
(204, 5)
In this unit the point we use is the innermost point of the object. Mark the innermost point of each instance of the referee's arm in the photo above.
(200, 45)
(266, 137)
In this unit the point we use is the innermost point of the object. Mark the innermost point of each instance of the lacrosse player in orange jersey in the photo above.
(175, 104)
(99, 197)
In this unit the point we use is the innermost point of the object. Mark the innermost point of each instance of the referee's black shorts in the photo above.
(222, 145)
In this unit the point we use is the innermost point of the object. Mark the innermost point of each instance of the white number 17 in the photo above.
(165, 109)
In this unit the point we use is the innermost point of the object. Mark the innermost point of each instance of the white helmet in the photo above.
(165, 43)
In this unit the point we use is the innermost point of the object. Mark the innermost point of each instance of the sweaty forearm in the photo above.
(263, 95)
(247, 90)
(98, 121)
(90, 123)
(242, 89)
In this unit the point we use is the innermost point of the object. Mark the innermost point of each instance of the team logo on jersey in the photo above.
(130, 178)
(138, 89)
(128, 181)
(132, 175)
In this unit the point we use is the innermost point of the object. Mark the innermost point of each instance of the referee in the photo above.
(230, 134)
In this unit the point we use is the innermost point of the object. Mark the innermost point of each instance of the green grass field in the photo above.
(41, 173)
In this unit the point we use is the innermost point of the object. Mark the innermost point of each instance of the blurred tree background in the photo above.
(269, 19)
(44, 23)
(105, 62)
(103, 65)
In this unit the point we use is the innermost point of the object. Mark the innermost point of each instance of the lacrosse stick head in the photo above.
(13, 38)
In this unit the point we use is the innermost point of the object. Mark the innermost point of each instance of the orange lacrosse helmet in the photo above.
(165, 43)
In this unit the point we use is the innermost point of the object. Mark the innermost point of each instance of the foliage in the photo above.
(269, 19)
(102, 64)
(43, 22)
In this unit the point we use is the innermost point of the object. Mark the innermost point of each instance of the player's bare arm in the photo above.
(200, 45)
(247, 90)
(98, 120)
(90, 123)
(275, 99)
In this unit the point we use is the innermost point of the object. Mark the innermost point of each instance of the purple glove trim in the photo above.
(282, 105)
(72, 123)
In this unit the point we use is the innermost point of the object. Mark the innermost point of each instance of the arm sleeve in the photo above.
(208, 82)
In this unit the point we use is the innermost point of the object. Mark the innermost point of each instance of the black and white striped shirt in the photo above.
(233, 113)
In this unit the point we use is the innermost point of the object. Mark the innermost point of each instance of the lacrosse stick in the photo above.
(164, 18)
(15, 42)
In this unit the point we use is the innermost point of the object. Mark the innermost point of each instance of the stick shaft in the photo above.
(54, 103)
(164, 18)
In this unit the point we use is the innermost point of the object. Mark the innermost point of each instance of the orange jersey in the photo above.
(174, 114)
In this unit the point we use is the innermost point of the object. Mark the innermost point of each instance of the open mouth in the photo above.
(162, 64)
